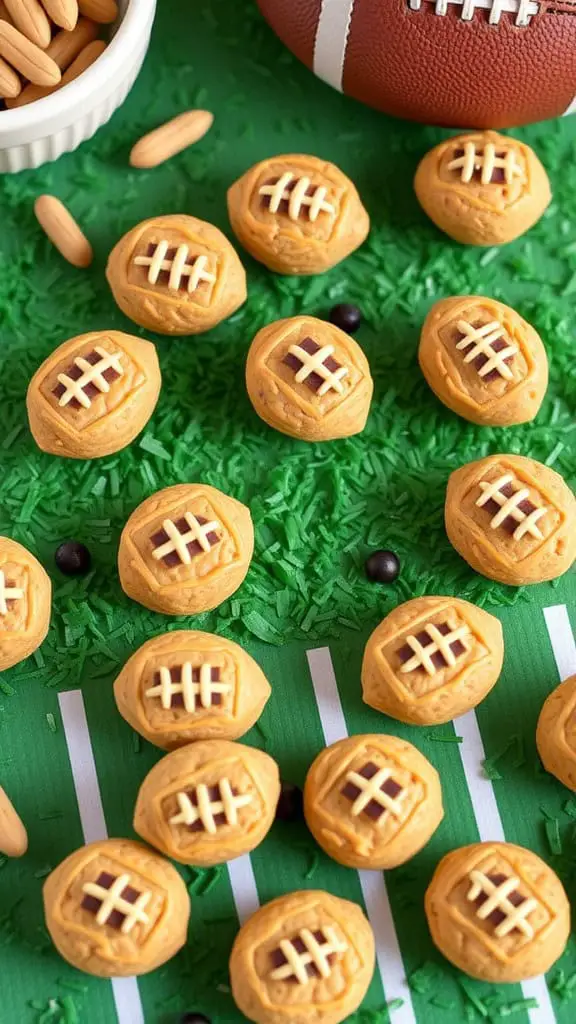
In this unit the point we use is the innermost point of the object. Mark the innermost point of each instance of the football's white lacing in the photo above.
(179, 542)
(297, 197)
(8, 594)
(481, 340)
(207, 809)
(497, 899)
(439, 643)
(314, 363)
(190, 690)
(316, 953)
(524, 10)
(370, 790)
(178, 267)
(111, 900)
(486, 161)
(527, 522)
(92, 373)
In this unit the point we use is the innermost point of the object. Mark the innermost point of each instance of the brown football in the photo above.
(460, 63)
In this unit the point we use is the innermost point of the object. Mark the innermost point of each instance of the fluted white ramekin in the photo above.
(56, 124)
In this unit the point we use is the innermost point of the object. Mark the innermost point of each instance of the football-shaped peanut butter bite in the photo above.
(25, 603)
(186, 685)
(297, 214)
(208, 802)
(307, 378)
(372, 801)
(176, 275)
(431, 659)
(512, 519)
(304, 958)
(483, 188)
(556, 733)
(114, 909)
(497, 912)
(185, 549)
(94, 394)
(483, 360)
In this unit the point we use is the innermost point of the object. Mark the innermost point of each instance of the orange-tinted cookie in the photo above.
(176, 275)
(512, 519)
(305, 958)
(308, 379)
(94, 394)
(431, 659)
(483, 360)
(185, 549)
(297, 214)
(208, 802)
(25, 603)
(115, 908)
(498, 912)
(186, 685)
(556, 733)
(372, 801)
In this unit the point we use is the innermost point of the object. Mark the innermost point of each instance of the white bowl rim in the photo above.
(88, 85)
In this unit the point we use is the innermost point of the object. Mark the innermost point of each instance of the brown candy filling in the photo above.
(497, 915)
(497, 346)
(213, 796)
(283, 205)
(509, 524)
(278, 959)
(438, 659)
(177, 699)
(498, 174)
(91, 903)
(373, 809)
(314, 381)
(90, 390)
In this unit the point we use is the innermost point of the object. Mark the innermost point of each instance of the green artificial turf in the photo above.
(318, 509)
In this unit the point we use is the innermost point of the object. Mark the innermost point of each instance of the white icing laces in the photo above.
(308, 954)
(185, 538)
(92, 373)
(480, 342)
(196, 686)
(296, 193)
(209, 806)
(435, 647)
(8, 592)
(488, 161)
(524, 10)
(498, 901)
(163, 260)
(115, 902)
(513, 503)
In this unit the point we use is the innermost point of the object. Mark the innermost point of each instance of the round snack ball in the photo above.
(185, 549)
(556, 733)
(482, 188)
(270, 989)
(382, 567)
(290, 803)
(209, 802)
(372, 801)
(431, 659)
(512, 519)
(455, 64)
(297, 214)
(483, 360)
(94, 394)
(308, 379)
(345, 316)
(498, 912)
(73, 558)
(25, 603)
(176, 275)
(186, 685)
(112, 933)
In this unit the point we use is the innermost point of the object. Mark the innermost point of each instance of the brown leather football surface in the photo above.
(509, 63)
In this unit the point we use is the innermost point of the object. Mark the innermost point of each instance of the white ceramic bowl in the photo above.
(42, 131)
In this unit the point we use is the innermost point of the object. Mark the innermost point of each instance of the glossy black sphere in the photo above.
(290, 805)
(73, 558)
(345, 316)
(193, 1018)
(382, 567)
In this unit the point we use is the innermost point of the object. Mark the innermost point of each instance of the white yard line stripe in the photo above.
(243, 885)
(490, 828)
(332, 40)
(373, 885)
(562, 639)
(126, 993)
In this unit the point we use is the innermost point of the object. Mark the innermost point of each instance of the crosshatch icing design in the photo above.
(499, 903)
(205, 808)
(521, 12)
(87, 377)
(116, 903)
(296, 196)
(315, 366)
(487, 164)
(433, 648)
(190, 687)
(9, 593)
(175, 267)
(177, 543)
(307, 954)
(374, 791)
(488, 348)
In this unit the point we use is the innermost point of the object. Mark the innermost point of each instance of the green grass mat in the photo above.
(318, 510)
